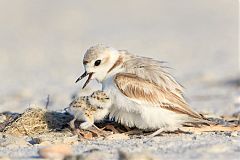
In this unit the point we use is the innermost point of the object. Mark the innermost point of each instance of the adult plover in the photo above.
(144, 94)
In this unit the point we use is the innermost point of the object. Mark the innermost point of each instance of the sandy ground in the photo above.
(42, 44)
(205, 146)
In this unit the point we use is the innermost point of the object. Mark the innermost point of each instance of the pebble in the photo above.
(55, 151)
(231, 134)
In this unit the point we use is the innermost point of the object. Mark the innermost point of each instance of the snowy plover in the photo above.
(89, 109)
(143, 93)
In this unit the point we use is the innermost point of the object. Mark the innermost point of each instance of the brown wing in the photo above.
(141, 90)
(153, 71)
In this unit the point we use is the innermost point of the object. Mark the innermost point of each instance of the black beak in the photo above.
(84, 75)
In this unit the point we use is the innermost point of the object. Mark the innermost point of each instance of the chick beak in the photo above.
(88, 79)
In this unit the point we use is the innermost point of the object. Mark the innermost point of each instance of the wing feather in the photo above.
(153, 71)
(149, 93)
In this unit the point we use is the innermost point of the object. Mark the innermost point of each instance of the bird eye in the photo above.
(97, 62)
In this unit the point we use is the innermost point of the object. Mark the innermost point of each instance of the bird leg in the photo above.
(71, 124)
(100, 130)
(159, 131)
(88, 126)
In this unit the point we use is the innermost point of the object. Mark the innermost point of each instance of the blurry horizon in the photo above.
(42, 43)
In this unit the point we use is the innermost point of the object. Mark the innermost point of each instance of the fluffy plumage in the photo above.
(143, 93)
(89, 109)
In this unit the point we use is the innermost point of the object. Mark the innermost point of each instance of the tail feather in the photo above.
(198, 122)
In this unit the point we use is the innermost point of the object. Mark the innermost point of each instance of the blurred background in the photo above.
(42, 43)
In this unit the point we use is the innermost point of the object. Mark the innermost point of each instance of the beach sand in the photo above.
(42, 44)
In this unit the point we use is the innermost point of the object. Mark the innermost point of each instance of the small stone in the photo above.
(55, 151)
(229, 134)
(88, 135)
(194, 138)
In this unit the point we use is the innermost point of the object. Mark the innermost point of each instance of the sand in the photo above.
(204, 146)
(42, 44)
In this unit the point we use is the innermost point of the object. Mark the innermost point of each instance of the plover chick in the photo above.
(89, 109)
(101, 102)
(81, 111)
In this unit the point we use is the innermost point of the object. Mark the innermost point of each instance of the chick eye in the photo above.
(97, 62)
